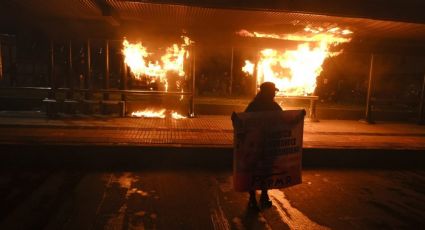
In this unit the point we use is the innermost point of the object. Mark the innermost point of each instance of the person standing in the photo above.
(263, 101)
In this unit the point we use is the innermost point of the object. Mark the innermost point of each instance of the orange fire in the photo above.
(295, 71)
(158, 113)
(149, 113)
(175, 115)
(249, 67)
(136, 57)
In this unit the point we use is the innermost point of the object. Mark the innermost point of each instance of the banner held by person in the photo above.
(267, 149)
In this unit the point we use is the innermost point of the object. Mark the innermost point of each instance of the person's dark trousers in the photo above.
(264, 199)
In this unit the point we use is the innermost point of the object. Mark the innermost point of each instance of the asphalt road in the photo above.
(195, 199)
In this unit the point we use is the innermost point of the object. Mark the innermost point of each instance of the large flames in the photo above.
(137, 57)
(295, 71)
(164, 70)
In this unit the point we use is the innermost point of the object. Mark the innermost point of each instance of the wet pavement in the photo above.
(150, 199)
(132, 173)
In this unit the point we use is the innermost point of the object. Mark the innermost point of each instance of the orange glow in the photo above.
(156, 113)
(175, 115)
(294, 72)
(149, 113)
(248, 68)
(136, 57)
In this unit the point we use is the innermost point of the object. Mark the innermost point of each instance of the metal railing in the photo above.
(313, 104)
(116, 91)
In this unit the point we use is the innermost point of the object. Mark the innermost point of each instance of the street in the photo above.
(205, 199)
(167, 174)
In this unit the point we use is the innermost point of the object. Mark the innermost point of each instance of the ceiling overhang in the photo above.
(372, 21)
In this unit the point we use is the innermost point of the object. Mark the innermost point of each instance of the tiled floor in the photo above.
(200, 131)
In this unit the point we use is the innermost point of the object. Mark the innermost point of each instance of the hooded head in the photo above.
(267, 91)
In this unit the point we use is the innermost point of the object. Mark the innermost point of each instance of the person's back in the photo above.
(263, 101)
(259, 105)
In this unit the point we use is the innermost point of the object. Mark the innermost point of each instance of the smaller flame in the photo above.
(152, 113)
(248, 68)
(149, 113)
(175, 115)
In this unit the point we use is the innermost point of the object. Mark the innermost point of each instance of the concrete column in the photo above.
(192, 97)
(312, 114)
(368, 113)
(124, 78)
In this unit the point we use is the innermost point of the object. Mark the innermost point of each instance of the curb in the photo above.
(124, 157)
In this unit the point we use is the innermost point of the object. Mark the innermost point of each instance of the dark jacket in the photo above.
(260, 105)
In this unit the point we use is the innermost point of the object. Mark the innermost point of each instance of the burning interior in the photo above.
(160, 72)
(152, 59)
(294, 71)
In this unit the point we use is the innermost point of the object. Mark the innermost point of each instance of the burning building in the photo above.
(108, 50)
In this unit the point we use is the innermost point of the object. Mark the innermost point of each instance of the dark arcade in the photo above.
(129, 114)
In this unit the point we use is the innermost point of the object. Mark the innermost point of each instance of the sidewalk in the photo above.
(202, 131)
